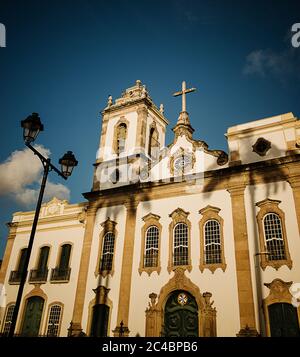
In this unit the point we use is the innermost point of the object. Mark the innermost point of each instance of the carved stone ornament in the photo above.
(54, 207)
(262, 146)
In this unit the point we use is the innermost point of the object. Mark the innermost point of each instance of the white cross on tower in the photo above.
(183, 93)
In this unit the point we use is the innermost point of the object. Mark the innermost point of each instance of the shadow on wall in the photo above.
(133, 195)
(272, 176)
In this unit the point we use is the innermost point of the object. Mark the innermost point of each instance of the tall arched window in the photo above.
(150, 244)
(153, 143)
(212, 250)
(62, 271)
(41, 272)
(107, 251)
(151, 247)
(54, 319)
(274, 237)
(181, 245)
(211, 227)
(15, 275)
(121, 137)
(8, 319)
(179, 240)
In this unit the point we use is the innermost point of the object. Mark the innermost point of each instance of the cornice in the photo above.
(227, 178)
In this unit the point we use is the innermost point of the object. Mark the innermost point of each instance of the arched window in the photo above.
(181, 244)
(151, 247)
(150, 244)
(40, 274)
(15, 275)
(62, 271)
(211, 228)
(8, 319)
(21, 264)
(153, 143)
(121, 137)
(107, 251)
(274, 237)
(179, 240)
(212, 250)
(65, 256)
(54, 319)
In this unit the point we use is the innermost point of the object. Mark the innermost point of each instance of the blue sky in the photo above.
(63, 58)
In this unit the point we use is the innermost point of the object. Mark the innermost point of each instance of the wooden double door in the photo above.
(283, 320)
(32, 317)
(181, 315)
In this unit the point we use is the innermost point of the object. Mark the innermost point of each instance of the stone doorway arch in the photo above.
(155, 311)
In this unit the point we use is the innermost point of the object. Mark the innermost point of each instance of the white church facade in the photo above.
(172, 240)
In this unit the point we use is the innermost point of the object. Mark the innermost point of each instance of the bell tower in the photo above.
(133, 131)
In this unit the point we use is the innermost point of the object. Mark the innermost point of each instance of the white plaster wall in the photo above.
(278, 146)
(62, 292)
(117, 214)
(222, 285)
(277, 191)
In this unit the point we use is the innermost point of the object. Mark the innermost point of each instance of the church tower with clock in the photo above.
(173, 240)
(133, 133)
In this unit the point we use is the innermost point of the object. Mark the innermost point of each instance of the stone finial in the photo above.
(109, 101)
(138, 83)
(153, 297)
(161, 109)
(207, 297)
(144, 91)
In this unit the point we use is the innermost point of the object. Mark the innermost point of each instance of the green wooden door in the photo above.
(65, 257)
(100, 320)
(33, 315)
(181, 315)
(283, 320)
(43, 259)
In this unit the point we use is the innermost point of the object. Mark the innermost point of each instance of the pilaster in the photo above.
(83, 271)
(9, 245)
(126, 272)
(243, 270)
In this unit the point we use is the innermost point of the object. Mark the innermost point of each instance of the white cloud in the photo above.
(282, 65)
(20, 177)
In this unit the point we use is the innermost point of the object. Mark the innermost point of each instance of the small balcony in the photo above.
(59, 275)
(38, 275)
(15, 277)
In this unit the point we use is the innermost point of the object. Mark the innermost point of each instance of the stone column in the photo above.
(243, 270)
(76, 327)
(126, 272)
(9, 244)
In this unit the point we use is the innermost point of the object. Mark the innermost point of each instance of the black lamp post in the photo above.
(31, 127)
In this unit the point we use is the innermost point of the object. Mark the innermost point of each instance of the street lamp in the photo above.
(31, 127)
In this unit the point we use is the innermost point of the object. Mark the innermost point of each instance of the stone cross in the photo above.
(183, 93)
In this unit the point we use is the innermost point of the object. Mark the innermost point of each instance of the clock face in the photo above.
(182, 162)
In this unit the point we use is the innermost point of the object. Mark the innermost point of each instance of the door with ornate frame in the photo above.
(181, 315)
(32, 316)
(283, 320)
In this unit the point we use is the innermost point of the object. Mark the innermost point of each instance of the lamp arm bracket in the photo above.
(46, 162)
